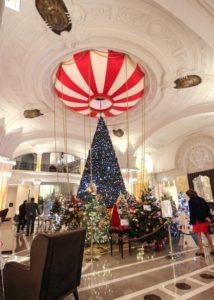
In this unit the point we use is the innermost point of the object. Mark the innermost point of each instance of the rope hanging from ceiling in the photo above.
(143, 145)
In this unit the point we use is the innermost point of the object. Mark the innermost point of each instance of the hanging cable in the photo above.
(91, 173)
(89, 97)
(85, 140)
(127, 121)
(64, 111)
(65, 137)
(55, 145)
(143, 146)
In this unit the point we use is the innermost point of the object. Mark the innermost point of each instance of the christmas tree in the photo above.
(65, 213)
(146, 219)
(71, 213)
(183, 205)
(102, 168)
(95, 219)
(56, 214)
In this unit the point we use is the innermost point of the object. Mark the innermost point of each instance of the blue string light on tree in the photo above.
(106, 172)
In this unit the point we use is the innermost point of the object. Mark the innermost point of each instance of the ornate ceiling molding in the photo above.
(207, 6)
(141, 28)
(196, 10)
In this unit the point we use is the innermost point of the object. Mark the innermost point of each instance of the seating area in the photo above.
(53, 272)
(40, 260)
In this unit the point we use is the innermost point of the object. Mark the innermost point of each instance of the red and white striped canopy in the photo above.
(99, 83)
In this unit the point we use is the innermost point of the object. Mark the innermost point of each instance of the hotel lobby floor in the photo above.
(141, 274)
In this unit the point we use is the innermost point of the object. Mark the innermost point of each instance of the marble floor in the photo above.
(141, 275)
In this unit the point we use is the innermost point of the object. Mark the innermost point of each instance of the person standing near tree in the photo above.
(31, 210)
(22, 219)
(200, 217)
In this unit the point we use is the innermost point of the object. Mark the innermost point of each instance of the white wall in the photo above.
(11, 198)
(22, 194)
(164, 157)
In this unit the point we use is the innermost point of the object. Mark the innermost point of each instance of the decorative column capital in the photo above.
(37, 181)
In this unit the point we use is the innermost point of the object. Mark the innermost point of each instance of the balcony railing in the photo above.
(24, 166)
(72, 167)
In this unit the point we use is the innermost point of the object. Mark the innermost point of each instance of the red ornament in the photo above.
(159, 246)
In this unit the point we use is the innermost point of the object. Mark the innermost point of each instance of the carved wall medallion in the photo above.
(55, 14)
(195, 155)
(198, 157)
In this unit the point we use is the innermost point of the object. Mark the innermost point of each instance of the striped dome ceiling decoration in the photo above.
(99, 83)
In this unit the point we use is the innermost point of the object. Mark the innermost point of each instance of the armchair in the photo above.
(54, 270)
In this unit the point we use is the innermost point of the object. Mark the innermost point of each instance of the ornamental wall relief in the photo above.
(196, 155)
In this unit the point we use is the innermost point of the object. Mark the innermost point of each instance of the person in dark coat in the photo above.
(200, 217)
(22, 219)
(31, 210)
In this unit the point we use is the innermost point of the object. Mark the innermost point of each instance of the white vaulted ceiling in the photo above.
(170, 39)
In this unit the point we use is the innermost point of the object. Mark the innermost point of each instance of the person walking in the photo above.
(31, 210)
(200, 217)
(22, 219)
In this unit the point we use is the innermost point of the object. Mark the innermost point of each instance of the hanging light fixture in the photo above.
(118, 132)
(55, 15)
(96, 83)
(32, 113)
(187, 81)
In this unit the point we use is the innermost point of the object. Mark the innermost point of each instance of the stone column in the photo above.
(82, 165)
(38, 161)
(37, 183)
(5, 173)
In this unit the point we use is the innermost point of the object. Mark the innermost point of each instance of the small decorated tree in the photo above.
(95, 218)
(65, 213)
(71, 214)
(146, 220)
(56, 214)
(183, 206)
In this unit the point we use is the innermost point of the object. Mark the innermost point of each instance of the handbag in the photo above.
(211, 228)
